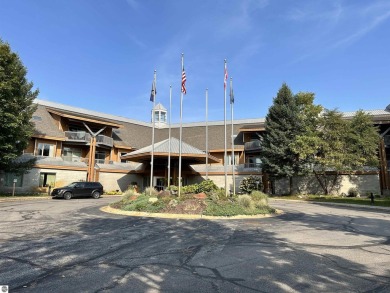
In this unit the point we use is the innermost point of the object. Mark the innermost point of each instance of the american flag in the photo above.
(226, 77)
(183, 82)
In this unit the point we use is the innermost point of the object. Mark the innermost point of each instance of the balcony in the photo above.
(254, 145)
(104, 140)
(78, 136)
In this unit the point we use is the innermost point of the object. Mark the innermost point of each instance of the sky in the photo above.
(101, 54)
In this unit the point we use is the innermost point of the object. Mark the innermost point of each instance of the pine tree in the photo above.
(16, 110)
(282, 126)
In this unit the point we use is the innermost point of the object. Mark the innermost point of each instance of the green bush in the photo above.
(224, 208)
(260, 198)
(246, 201)
(353, 192)
(207, 186)
(150, 191)
(193, 188)
(142, 204)
(249, 184)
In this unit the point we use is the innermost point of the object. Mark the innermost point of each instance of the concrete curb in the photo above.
(359, 206)
(108, 209)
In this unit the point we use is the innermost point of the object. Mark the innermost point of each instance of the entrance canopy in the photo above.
(190, 154)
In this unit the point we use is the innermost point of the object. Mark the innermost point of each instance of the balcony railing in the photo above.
(252, 145)
(78, 136)
(105, 140)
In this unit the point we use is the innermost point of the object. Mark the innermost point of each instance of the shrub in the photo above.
(193, 188)
(249, 184)
(353, 192)
(246, 201)
(150, 191)
(128, 196)
(260, 198)
(207, 186)
(218, 194)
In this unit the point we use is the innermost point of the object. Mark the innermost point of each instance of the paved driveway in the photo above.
(70, 246)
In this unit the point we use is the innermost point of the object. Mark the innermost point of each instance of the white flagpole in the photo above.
(169, 135)
(233, 157)
(224, 110)
(181, 116)
(153, 114)
(207, 136)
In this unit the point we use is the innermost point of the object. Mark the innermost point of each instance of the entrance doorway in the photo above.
(159, 183)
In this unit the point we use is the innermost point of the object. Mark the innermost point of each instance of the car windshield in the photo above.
(73, 184)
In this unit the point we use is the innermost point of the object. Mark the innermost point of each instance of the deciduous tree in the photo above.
(16, 110)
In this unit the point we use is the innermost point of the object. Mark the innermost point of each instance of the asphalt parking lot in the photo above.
(71, 246)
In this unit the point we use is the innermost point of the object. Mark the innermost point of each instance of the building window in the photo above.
(47, 179)
(100, 157)
(123, 161)
(230, 161)
(10, 177)
(163, 117)
(45, 149)
(71, 154)
(253, 162)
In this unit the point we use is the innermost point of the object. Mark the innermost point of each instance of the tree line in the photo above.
(302, 138)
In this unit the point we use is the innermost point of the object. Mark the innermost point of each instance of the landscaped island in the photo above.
(198, 199)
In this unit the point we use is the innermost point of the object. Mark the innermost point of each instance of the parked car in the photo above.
(78, 189)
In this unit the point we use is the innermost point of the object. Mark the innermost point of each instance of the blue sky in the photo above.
(101, 54)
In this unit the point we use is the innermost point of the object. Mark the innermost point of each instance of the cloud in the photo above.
(374, 22)
(333, 26)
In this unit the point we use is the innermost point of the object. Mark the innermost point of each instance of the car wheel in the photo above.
(67, 195)
(96, 194)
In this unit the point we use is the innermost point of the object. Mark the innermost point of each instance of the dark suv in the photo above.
(78, 189)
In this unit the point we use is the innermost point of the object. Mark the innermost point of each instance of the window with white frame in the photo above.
(45, 150)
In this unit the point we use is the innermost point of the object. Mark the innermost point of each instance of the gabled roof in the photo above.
(159, 106)
(162, 149)
(45, 125)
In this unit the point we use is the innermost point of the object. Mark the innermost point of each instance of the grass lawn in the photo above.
(383, 202)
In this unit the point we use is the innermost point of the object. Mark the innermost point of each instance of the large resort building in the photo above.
(73, 144)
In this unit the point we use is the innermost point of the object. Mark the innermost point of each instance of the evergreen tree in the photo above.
(16, 110)
(282, 126)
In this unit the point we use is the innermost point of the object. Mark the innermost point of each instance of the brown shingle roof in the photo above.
(45, 124)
